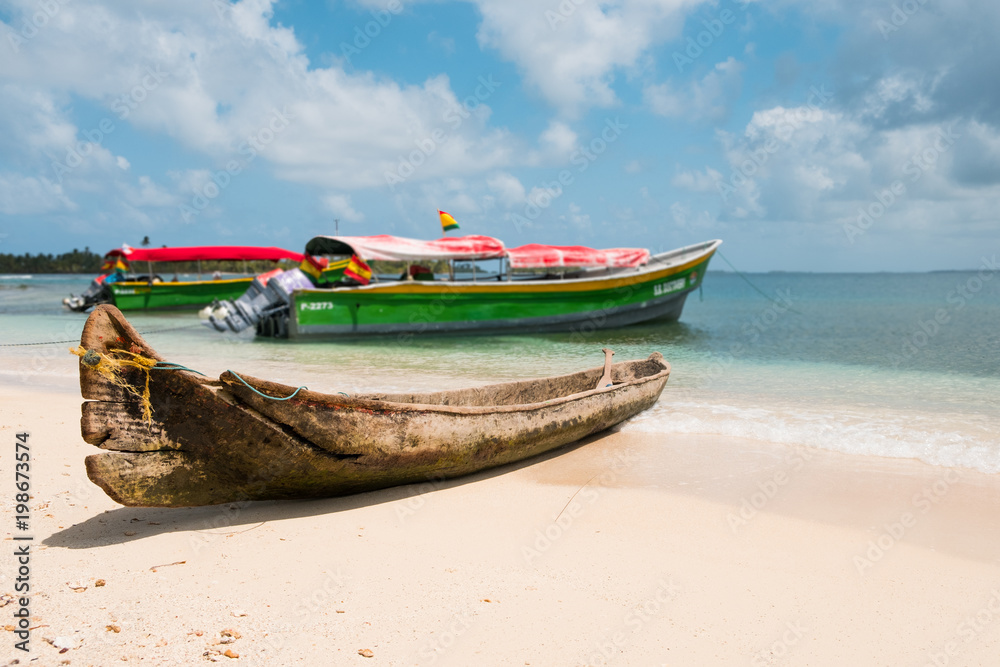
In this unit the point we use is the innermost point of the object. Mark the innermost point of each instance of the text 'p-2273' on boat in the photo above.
(123, 284)
(536, 288)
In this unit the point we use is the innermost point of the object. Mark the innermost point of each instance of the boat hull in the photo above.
(136, 295)
(213, 442)
(657, 291)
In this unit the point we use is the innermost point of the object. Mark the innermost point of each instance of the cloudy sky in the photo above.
(824, 135)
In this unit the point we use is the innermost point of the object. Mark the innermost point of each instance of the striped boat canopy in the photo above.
(398, 248)
(537, 256)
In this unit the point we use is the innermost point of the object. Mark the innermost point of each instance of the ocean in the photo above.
(894, 365)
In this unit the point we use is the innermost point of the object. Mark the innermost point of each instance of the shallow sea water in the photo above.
(897, 365)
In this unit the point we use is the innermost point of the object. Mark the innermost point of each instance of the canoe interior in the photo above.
(519, 393)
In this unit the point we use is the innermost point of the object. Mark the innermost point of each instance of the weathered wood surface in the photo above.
(217, 441)
(606, 376)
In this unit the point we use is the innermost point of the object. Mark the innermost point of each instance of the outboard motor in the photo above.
(94, 294)
(265, 305)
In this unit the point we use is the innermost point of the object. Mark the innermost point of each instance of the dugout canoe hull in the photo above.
(219, 441)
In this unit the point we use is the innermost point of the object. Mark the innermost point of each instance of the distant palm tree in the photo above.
(145, 241)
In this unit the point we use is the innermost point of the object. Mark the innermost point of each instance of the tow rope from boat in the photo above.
(63, 342)
(759, 291)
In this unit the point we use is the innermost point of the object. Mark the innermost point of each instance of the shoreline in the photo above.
(629, 549)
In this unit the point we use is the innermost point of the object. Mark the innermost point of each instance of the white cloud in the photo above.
(213, 80)
(419, 206)
(33, 123)
(558, 140)
(685, 218)
(695, 180)
(508, 188)
(791, 162)
(149, 193)
(53, 167)
(57, 162)
(190, 181)
(707, 99)
(446, 44)
(462, 202)
(542, 197)
(976, 159)
(569, 53)
(808, 168)
(25, 195)
(340, 205)
(912, 64)
(579, 220)
(664, 100)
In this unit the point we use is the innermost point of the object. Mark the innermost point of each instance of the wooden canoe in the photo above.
(218, 441)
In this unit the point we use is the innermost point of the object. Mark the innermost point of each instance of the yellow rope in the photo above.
(111, 368)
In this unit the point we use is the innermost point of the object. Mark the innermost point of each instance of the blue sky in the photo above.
(829, 136)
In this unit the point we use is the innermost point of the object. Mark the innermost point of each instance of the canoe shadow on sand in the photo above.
(110, 527)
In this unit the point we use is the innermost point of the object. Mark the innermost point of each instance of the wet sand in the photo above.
(630, 549)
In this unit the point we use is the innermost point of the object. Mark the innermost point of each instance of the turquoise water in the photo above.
(901, 365)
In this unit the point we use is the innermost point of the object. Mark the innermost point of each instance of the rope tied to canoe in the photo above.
(273, 398)
(111, 369)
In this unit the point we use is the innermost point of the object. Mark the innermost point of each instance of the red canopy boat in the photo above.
(130, 289)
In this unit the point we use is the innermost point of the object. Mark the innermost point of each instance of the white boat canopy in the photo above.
(398, 248)
(537, 256)
(531, 256)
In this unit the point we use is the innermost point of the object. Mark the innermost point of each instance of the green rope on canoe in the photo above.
(254, 390)
(168, 366)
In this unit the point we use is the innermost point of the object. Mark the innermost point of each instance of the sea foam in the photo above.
(944, 439)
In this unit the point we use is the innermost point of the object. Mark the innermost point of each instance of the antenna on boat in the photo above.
(336, 226)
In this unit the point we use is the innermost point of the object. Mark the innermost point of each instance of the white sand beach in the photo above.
(629, 549)
(795, 204)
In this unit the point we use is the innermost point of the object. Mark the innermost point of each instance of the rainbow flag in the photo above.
(313, 266)
(114, 264)
(447, 222)
(358, 270)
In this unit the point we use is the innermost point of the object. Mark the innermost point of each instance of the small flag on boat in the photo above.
(114, 264)
(447, 222)
(313, 266)
(334, 272)
(358, 270)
